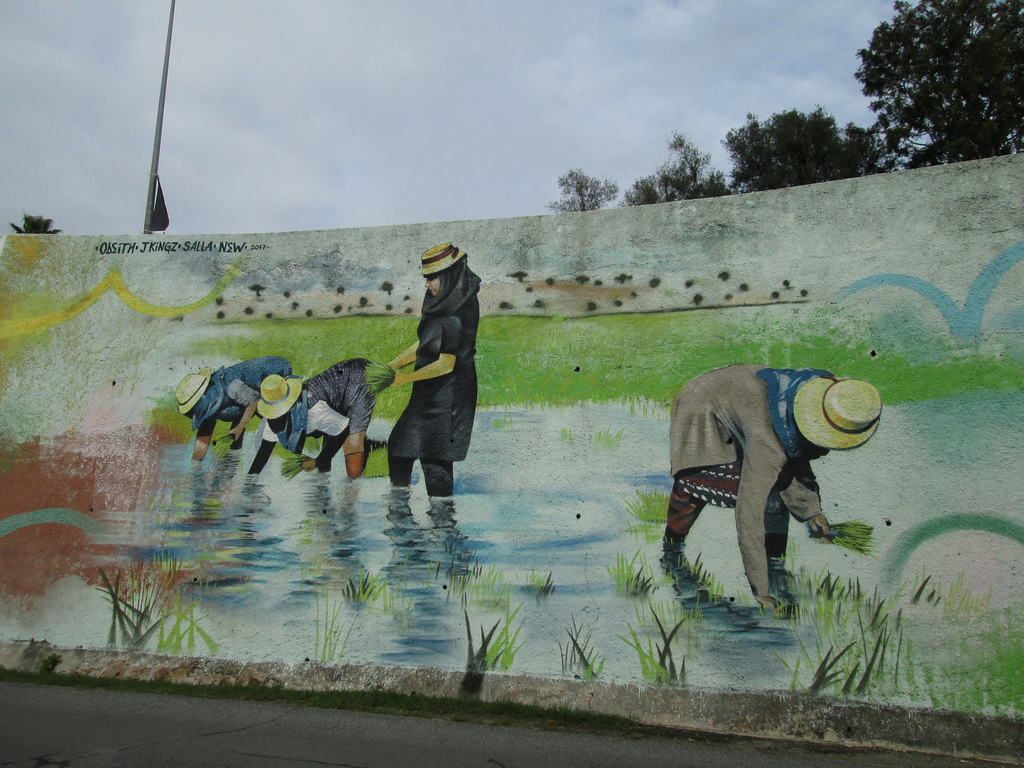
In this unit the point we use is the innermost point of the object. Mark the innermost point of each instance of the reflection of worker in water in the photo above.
(336, 405)
(437, 424)
(743, 436)
(227, 394)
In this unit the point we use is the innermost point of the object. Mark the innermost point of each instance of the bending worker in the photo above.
(744, 436)
(336, 405)
(227, 394)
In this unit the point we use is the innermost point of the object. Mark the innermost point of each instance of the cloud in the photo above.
(319, 114)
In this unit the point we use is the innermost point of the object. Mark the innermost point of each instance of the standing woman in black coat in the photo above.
(437, 424)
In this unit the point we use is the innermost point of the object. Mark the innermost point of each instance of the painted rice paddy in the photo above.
(562, 575)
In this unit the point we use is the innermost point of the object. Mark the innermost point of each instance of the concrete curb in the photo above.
(780, 715)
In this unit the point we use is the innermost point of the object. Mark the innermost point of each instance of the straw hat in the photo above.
(839, 413)
(191, 389)
(278, 395)
(439, 258)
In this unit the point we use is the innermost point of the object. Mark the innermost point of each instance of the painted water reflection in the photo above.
(325, 568)
(562, 575)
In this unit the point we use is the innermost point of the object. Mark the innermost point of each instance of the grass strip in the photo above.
(381, 702)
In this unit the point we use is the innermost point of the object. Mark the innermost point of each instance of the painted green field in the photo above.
(552, 361)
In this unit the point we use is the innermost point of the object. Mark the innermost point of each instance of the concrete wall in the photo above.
(548, 559)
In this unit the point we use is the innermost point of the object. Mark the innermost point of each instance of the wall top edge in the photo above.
(1013, 164)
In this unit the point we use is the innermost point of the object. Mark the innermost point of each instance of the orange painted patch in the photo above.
(98, 478)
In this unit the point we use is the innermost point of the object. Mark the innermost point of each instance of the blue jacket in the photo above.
(230, 390)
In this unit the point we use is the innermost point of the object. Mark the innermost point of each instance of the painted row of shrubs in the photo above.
(364, 304)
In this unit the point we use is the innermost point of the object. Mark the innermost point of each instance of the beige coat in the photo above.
(717, 413)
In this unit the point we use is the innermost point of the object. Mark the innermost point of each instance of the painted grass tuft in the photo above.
(631, 577)
(578, 656)
(648, 506)
(657, 664)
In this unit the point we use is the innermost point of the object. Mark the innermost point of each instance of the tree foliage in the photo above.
(34, 225)
(686, 175)
(581, 192)
(946, 79)
(793, 148)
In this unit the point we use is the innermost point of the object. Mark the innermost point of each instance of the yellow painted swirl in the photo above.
(113, 281)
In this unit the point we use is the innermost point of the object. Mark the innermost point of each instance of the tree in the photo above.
(34, 225)
(793, 148)
(387, 287)
(581, 192)
(686, 175)
(946, 79)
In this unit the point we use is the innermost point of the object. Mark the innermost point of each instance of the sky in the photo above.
(323, 114)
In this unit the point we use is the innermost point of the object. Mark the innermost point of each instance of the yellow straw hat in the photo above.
(191, 389)
(839, 413)
(278, 395)
(439, 258)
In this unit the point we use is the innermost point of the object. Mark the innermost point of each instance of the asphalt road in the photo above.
(50, 726)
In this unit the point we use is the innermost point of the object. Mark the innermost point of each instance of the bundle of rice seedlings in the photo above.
(292, 465)
(222, 445)
(855, 536)
(378, 377)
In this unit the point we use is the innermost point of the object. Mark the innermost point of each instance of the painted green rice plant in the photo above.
(363, 588)
(538, 584)
(503, 652)
(692, 627)
(631, 577)
(651, 534)
(826, 674)
(960, 603)
(134, 598)
(920, 590)
(824, 598)
(395, 601)
(481, 586)
(605, 440)
(293, 465)
(504, 423)
(476, 661)
(305, 534)
(855, 536)
(499, 654)
(378, 377)
(578, 656)
(670, 610)
(647, 511)
(310, 573)
(376, 462)
(644, 407)
(957, 602)
(568, 436)
(857, 637)
(707, 585)
(657, 664)
(180, 637)
(221, 445)
(648, 506)
(331, 632)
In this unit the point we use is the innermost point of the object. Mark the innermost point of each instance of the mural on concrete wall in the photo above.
(571, 446)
